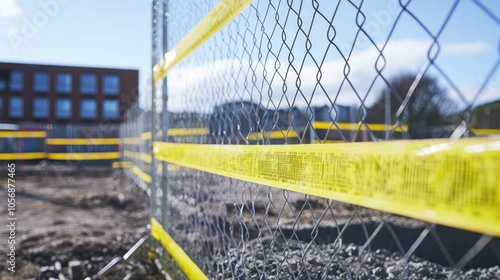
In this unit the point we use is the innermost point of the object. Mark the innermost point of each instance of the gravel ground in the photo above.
(345, 264)
(90, 214)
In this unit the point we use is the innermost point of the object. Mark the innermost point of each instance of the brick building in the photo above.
(31, 93)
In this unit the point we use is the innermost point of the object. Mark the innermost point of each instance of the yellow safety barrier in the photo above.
(187, 265)
(454, 183)
(83, 141)
(359, 126)
(272, 135)
(22, 156)
(214, 21)
(83, 156)
(23, 134)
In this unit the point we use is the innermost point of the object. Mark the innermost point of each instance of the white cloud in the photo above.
(466, 48)
(231, 79)
(9, 8)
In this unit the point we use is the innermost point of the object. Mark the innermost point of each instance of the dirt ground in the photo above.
(90, 214)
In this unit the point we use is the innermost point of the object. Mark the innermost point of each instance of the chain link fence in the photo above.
(322, 74)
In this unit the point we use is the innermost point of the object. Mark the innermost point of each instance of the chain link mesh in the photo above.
(303, 72)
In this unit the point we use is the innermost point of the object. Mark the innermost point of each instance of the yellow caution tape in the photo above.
(138, 156)
(83, 156)
(146, 135)
(359, 126)
(21, 156)
(187, 265)
(187, 131)
(82, 141)
(454, 183)
(23, 134)
(485, 131)
(214, 21)
(141, 174)
(122, 164)
(272, 135)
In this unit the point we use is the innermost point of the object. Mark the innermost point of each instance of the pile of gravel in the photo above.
(260, 260)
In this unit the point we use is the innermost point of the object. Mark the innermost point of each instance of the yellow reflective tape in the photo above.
(82, 141)
(23, 134)
(122, 164)
(272, 135)
(146, 135)
(83, 156)
(20, 156)
(485, 131)
(138, 156)
(187, 131)
(359, 126)
(214, 21)
(454, 183)
(132, 141)
(145, 157)
(187, 265)
(141, 174)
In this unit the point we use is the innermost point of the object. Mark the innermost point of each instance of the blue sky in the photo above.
(468, 51)
(110, 33)
(114, 33)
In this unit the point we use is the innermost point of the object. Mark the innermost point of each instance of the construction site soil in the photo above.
(89, 214)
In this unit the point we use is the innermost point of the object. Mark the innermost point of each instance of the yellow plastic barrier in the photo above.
(187, 265)
(454, 183)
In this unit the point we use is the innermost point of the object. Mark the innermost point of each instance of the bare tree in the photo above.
(428, 106)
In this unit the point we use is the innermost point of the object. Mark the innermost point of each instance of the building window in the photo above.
(63, 108)
(110, 109)
(88, 83)
(111, 84)
(41, 108)
(4, 78)
(16, 106)
(64, 82)
(41, 82)
(88, 109)
(16, 80)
